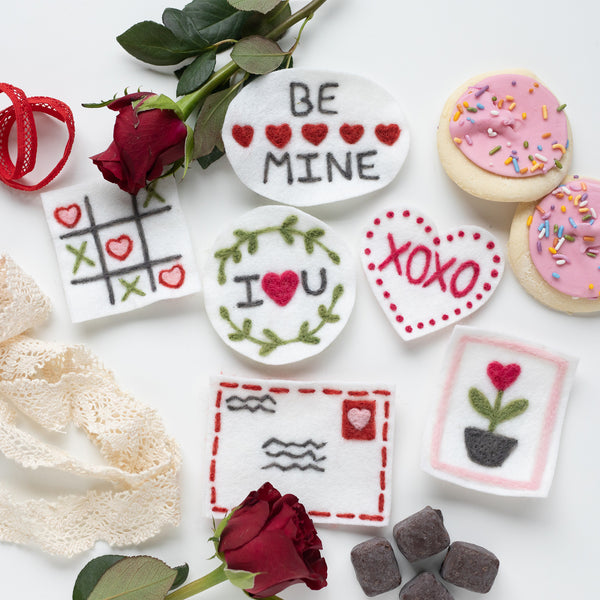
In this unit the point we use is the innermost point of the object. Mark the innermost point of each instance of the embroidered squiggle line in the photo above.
(247, 403)
(274, 440)
(291, 455)
(294, 466)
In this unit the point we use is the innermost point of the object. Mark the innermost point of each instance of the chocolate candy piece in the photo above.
(425, 587)
(421, 535)
(375, 566)
(470, 566)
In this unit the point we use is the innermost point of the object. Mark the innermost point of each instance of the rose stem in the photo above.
(189, 102)
(199, 585)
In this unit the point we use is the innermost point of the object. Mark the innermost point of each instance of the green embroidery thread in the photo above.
(151, 193)
(80, 256)
(287, 232)
(130, 288)
(272, 341)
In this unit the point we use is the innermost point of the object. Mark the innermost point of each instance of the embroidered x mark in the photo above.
(80, 256)
(130, 288)
(394, 254)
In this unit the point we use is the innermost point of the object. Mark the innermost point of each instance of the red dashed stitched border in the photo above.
(329, 392)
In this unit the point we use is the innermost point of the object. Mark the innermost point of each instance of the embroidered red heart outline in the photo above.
(173, 277)
(119, 248)
(280, 288)
(314, 133)
(425, 281)
(387, 134)
(243, 134)
(351, 133)
(68, 215)
(279, 135)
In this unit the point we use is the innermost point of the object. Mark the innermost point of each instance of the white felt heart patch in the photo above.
(308, 137)
(425, 281)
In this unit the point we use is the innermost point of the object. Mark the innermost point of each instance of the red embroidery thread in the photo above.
(68, 215)
(243, 134)
(387, 134)
(279, 135)
(351, 133)
(280, 288)
(119, 248)
(316, 133)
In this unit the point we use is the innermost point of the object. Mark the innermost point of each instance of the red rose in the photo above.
(271, 535)
(144, 143)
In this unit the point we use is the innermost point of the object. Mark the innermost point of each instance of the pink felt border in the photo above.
(549, 420)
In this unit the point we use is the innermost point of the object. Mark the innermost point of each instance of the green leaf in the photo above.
(236, 256)
(183, 27)
(480, 403)
(242, 234)
(315, 233)
(215, 20)
(261, 6)
(242, 579)
(135, 578)
(196, 73)
(289, 221)
(247, 326)
(209, 159)
(309, 245)
(224, 313)
(189, 148)
(238, 336)
(338, 290)
(153, 43)
(266, 349)
(258, 24)
(272, 336)
(207, 133)
(90, 574)
(257, 55)
(326, 315)
(304, 328)
(311, 339)
(182, 574)
(512, 409)
(334, 257)
(100, 104)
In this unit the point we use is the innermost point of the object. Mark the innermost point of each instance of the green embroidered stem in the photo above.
(305, 335)
(286, 230)
(496, 414)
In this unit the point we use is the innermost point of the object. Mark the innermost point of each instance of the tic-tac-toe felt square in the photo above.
(330, 444)
(497, 423)
(423, 279)
(305, 137)
(279, 285)
(117, 252)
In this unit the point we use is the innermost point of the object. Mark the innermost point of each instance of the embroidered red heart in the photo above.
(119, 248)
(387, 134)
(359, 417)
(68, 215)
(243, 134)
(279, 135)
(503, 376)
(351, 133)
(314, 133)
(280, 288)
(173, 277)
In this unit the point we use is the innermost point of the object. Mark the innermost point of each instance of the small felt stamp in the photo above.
(279, 285)
(496, 427)
(306, 137)
(424, 280)
(470, 566)
(118, 252)
(421, 535)
(297, 435)
(375, 566)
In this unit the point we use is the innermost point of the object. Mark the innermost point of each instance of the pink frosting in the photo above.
(510, 125)
(566, 251)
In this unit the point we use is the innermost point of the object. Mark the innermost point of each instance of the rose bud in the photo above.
(272, 536)
(144, 142)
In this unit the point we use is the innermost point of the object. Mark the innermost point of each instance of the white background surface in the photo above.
(163, 354)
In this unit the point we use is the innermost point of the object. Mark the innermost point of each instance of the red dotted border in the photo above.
(460, 234)
(216, 508)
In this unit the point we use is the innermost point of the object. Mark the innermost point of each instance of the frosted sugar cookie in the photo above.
(554, 247)
(505, 137)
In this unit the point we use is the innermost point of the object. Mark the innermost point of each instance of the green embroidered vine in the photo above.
(287, 230)
(271, 340)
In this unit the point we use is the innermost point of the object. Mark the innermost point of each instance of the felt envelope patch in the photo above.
(330, 444)
(425, 280)
(496, 427)
(307, 137)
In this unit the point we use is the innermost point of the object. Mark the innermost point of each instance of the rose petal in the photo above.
(245, 524)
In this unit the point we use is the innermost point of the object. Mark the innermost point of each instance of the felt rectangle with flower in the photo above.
(496, 427)
(330, 444)
(117, 251)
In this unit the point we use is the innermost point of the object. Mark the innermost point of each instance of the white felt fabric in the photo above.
(308, 137)
(543, 377)
(116, 253)
(279, 285)
(425, 280)
(333, 443)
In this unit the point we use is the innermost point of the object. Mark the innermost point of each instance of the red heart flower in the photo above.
(242, 134)
(279, 135)
(314, 133)
(68, 215)
(387, 134)
(503, 376)
(351, 133)
(119, 248)
(173, 277)
(280, 288)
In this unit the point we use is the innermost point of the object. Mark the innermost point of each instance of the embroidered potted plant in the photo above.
(486, 447)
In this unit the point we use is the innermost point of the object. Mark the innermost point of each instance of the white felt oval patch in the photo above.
(280, 285)
(306, 137)
(423, 280)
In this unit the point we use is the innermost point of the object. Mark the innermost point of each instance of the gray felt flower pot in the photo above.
(488, 448)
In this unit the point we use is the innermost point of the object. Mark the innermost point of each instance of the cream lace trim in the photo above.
(56, 387)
